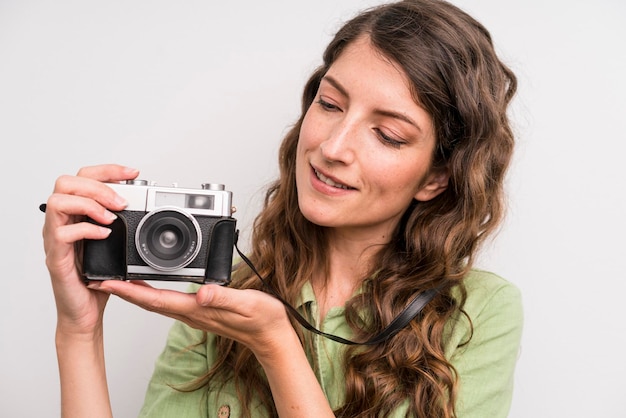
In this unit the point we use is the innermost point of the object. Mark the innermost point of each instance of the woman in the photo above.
(389, 182)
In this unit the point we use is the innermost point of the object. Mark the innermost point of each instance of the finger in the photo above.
(141, 283)
(60, 207)
(166, 302)
(61, 231)
(69, 234)
(176, 305)
(108, 172)
(228, 299)
(89, 188)
(205, 296)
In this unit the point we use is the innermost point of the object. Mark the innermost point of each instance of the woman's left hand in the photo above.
(254, 318)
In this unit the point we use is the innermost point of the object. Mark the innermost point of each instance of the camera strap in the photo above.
(408, 313)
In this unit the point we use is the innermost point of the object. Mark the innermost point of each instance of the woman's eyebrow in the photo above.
(399, 116)
(382, 112)
(336, 84)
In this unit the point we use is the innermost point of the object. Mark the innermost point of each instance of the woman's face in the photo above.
(365, 147)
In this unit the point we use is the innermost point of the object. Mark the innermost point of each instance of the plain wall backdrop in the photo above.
(197, 91)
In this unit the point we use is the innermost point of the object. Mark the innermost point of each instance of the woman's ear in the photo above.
(436, 182)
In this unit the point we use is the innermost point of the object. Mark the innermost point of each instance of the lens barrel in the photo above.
(168, 238)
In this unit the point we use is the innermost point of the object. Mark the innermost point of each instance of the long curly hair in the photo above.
(457, 77)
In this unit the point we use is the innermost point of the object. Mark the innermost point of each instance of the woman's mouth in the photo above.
(330, 182)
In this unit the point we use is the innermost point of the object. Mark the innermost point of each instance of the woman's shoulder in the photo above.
(488, 291)
(492, 309)
(483, 344)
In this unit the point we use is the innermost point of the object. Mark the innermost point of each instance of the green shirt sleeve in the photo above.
(183, 360)
(486, 364)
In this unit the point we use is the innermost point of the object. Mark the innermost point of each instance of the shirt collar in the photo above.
(306, 295)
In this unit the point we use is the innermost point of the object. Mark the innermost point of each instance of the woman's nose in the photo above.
(340, 144)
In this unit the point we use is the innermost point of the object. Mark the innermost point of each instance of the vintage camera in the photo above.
(166, 233)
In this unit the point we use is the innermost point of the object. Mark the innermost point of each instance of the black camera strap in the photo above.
(410, 311)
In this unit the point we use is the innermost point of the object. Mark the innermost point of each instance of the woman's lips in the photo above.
(329, 181)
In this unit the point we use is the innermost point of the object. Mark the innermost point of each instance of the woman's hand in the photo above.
(79, 309)
(79, 341)
(252, 317)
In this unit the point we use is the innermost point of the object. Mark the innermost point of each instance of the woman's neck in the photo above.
(349, 261)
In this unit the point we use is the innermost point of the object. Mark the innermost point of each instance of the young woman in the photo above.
(389, 182)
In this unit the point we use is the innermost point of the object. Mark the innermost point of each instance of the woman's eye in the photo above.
(386, 139)
(326, 106)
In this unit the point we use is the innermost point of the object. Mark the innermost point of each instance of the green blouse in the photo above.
(485, 365)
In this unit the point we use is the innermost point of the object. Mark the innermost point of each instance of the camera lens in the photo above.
(168, 239)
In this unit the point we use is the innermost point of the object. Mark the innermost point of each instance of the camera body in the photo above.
(166, 233)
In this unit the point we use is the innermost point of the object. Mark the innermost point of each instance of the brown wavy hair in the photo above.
(457, 77)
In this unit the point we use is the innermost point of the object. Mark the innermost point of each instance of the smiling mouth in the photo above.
(331, 182)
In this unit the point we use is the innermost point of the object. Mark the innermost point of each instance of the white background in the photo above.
(198, 91)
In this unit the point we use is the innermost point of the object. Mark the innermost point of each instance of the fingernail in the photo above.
(204, 297)
(130, 170)
(105, 231)
(120, 201)
(110, 215)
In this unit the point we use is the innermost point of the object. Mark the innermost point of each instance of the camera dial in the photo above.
(212, 186)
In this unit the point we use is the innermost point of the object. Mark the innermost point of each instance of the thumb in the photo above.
(205, 296)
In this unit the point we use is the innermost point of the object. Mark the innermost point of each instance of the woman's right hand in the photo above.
(79, 309)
